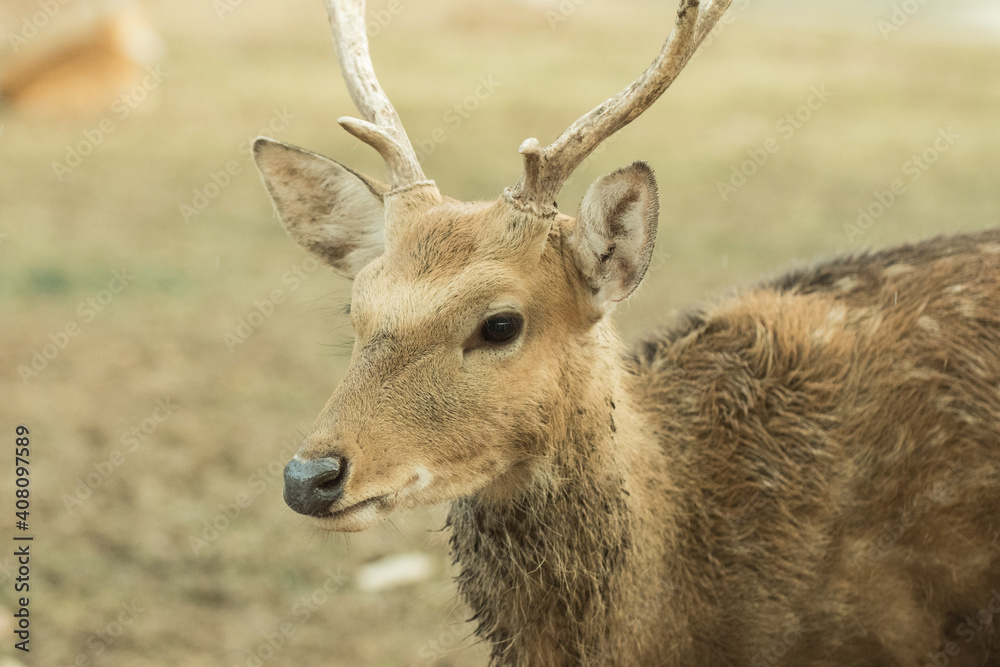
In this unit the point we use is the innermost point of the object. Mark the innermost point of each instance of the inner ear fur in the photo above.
(614, 235)
(331, 211)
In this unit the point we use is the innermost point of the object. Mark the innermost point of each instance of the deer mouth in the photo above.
(350, 510)
(360, 515)
(353, 518)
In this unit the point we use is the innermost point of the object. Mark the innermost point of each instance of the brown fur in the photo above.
(823, 489)
(806, 472)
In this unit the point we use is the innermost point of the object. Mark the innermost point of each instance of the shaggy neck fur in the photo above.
(553, 573)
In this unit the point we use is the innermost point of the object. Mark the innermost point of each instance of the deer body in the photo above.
(803, 473)
(795, 476)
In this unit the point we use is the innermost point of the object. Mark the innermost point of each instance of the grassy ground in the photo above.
(124, 522)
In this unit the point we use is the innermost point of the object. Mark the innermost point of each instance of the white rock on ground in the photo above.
(394, 571)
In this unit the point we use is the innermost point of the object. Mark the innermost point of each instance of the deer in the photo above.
(805, 471)
(87, 72)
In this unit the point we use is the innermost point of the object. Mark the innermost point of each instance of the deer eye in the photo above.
(501, 329)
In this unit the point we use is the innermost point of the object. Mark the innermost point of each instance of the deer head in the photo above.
(474, 320)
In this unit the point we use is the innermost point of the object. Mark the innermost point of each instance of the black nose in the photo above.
(312, 485)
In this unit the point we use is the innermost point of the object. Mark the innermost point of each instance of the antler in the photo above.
(381, 128)
(546, 169)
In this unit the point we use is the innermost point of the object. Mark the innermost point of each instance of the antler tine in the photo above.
(709, 16)
(546, 169)
(381, 128)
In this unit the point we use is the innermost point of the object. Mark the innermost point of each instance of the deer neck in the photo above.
(562, 557)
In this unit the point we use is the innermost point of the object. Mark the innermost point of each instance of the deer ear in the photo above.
(331, 211)
(614, 234)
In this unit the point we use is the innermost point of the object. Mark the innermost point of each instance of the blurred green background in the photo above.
(150, 424)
